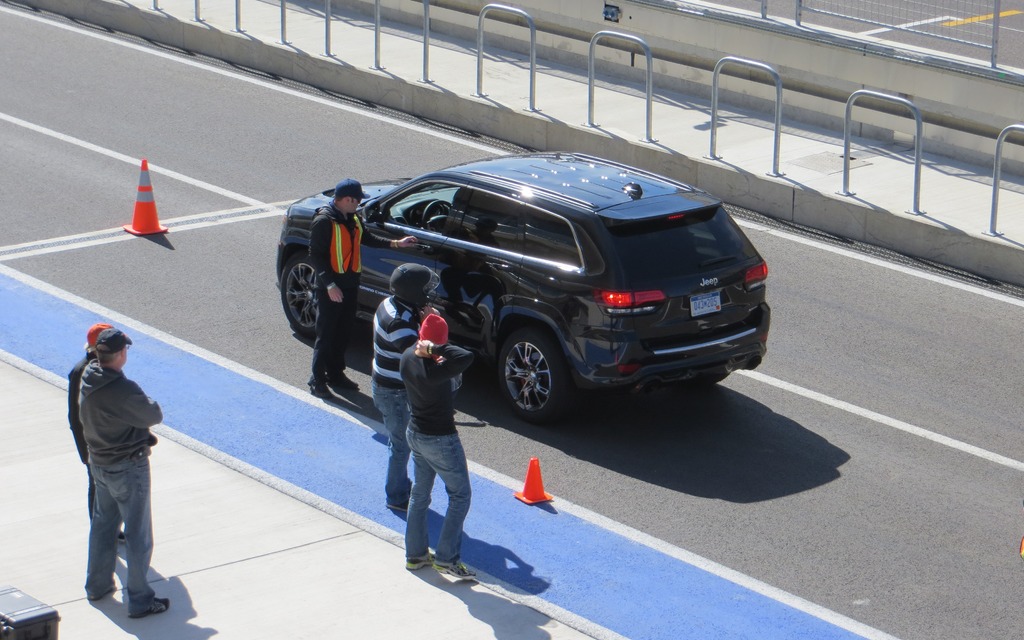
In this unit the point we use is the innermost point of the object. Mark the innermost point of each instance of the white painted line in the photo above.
(366, 525)
(130, 160)
(117, 234)
(917, 273)
(906, 25)
(262, 83)
(906, 427)
(547, 608)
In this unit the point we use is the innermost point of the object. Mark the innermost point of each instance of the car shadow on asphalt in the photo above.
(710, 442)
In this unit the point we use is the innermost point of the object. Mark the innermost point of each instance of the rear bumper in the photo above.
(744, 349)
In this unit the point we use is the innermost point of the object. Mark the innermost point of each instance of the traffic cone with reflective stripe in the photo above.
(533, 491)
(145, 220)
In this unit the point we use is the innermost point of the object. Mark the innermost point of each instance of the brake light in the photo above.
(755, 276)
(629, 302)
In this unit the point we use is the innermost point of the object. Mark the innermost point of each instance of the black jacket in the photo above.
(74, 418)
(321, 232)
(429, 386)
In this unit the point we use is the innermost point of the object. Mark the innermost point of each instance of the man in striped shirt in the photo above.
(395, 328)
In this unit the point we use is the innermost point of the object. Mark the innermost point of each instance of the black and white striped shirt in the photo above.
(395, 328)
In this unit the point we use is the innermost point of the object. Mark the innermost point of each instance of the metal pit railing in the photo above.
(600, 35)
(778, 106)
(917, 141)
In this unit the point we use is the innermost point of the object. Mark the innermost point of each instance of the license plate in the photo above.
(705, 303)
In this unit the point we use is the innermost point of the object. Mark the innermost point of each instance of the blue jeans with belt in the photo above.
(122, 495)
(393, 405)
(437, 456)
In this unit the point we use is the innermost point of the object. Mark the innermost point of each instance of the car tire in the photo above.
(298, 283)
(533, 376)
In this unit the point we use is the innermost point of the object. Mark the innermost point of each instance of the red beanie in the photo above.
(434, 329)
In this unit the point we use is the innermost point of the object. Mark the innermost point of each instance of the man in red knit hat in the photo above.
(428, 369)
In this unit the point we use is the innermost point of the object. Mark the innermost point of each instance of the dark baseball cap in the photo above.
(349, 188)
(112, 340)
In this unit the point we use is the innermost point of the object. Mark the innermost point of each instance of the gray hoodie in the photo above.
(116, 416)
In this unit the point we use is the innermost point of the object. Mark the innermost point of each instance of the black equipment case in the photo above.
(22, 617)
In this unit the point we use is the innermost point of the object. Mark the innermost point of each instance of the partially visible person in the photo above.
(428, 368)
(74, 389)
(116, 419)
(335, 239)
(395, 328)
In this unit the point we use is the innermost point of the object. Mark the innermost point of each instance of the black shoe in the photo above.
(342, 383)
(404, 506)
(120, 537)
(159, 606)
(319, 390)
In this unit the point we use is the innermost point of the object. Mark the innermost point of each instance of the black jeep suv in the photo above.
(563, 270)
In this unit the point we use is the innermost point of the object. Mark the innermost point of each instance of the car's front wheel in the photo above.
(534, 376)
(298, 282)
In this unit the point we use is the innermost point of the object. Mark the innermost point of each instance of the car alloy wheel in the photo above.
(534, 376)
(297, 295)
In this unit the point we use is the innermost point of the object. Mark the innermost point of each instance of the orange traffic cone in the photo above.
(145, 221)
(533, 491)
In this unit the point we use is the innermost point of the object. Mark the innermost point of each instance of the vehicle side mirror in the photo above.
(372, 213)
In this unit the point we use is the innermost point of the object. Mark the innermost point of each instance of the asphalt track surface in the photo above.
(869, 469)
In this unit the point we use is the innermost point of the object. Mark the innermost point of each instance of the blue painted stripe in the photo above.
(599, 575)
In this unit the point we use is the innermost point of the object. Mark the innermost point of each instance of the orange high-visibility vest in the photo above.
(345, 248)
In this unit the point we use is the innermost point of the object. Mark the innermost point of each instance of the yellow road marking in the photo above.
(985, 18)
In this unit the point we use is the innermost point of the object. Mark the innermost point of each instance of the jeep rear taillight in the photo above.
(755, 276)
(629, 302)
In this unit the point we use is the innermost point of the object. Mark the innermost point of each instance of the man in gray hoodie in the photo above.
(116, 416)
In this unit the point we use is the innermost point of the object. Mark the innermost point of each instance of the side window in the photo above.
(492, 221)
(428, 206)
(550, 237)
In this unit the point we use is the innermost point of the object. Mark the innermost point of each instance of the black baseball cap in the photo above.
(111, 341)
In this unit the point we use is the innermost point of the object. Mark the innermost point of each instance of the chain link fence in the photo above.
(968, 22)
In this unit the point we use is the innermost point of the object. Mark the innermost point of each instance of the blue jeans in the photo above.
(393, 405)
(437, 456)
(122, 495)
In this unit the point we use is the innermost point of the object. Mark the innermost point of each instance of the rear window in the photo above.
(681, 244)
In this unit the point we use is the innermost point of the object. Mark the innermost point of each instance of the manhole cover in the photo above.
(827, 162)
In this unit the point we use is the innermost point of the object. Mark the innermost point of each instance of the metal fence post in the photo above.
(426, 41)
(778, 107)
(917, 142)
(376, 36)
(650, 76)
(480, 50)
(997, 175)
(197, 18)
(284, 21)
(996, 10)
(238, 16)
(327, 28)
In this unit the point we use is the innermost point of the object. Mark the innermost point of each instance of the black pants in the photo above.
(334, 322)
